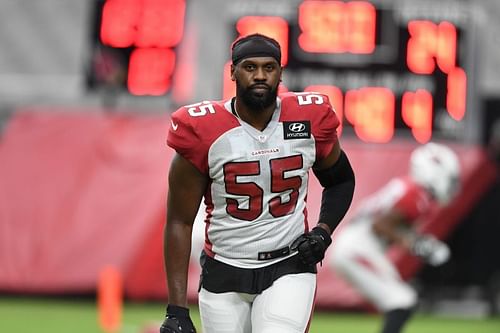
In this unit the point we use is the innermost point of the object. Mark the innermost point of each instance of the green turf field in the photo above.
(50, 315)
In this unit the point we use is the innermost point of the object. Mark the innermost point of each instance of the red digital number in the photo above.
(142, 23)
(150, 71)
(153, 26)
(272, 26)
(337, 27)
(161, 23)
(416, 111)
(456, 94)
(431, 43)
(371, 112)
(118, 22)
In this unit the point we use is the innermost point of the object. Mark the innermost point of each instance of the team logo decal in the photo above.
(297, 129)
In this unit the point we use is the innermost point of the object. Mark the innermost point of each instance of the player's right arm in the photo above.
(410, 203)
(387, 226)
(187, 183)
(427, 247)
(186, 187)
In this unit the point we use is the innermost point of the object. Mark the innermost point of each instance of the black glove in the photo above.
(312, 245)
(430, 249)
(177, 320)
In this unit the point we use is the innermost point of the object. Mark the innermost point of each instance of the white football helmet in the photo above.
(436, 167)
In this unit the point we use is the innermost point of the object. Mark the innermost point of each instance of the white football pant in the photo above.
(359, 257)
(285, 307)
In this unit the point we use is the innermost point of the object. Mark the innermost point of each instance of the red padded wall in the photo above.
(85, 189)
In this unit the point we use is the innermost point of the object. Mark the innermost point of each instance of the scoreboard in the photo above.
(402, 68)
(391, 68)
(134, 43)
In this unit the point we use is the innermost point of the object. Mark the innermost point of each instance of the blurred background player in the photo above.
(389, 217)
(250, 157)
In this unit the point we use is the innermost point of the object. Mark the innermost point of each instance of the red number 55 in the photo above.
(255, 194)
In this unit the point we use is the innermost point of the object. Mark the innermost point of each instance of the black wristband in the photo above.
(323, 234)
(177, 311)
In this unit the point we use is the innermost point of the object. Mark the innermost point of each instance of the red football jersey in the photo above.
(403, 194)
(256, 199)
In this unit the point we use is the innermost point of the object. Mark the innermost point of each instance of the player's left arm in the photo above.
(336, 175)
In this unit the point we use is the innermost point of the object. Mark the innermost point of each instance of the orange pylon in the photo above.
(110, 299)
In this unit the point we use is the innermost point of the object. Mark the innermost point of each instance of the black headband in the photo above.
(255, 46)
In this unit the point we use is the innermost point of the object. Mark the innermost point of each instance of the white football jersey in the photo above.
(256, 197)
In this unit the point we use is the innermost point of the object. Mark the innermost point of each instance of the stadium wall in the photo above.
(86, 189)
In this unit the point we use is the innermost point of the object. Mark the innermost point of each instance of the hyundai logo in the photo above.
(297, 127)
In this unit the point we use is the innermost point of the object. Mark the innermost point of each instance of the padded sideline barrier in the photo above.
(84, 189)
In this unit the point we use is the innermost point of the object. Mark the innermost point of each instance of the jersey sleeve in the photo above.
(183, 138)
(324, 128)
(315, 108)
(413, 203)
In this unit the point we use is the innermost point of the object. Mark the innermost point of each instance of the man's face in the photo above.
(257, 80)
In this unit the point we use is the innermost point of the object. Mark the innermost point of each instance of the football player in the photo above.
(389, 217)
(249, 158)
